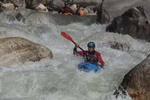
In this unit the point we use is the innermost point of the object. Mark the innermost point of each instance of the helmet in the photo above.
(91, 45)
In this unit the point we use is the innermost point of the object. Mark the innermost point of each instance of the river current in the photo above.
(59, 78)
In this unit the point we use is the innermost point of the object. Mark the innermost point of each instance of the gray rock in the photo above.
(102, 14)
(119, 46)
(20, 17)
(117, 7)
(34, 3)
(58, 3)
(16, 49)
(136, 82)
(133, 22)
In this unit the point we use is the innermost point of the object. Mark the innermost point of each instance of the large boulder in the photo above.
(19, 50)
(117, 7)
(136, 82)
(133, 22)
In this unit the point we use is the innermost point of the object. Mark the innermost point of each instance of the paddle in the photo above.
(65, 35)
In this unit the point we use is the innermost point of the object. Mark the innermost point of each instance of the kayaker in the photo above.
(66, 10)
(90, 55)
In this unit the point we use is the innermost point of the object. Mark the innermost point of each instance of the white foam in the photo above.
(59, 78)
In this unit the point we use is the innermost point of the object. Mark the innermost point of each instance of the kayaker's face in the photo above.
(91, 49)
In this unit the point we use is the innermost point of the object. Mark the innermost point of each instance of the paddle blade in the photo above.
(65, 35)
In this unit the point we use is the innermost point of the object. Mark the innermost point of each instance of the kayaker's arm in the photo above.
(75, 49)
(77, 52)
(100, 60)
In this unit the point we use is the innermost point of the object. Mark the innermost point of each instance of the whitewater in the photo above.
(59, 78)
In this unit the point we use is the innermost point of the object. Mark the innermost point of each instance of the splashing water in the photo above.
(59, 78)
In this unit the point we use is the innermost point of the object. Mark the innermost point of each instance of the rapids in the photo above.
(59, 78)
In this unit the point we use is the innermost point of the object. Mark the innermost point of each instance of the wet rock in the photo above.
(119, 46)
(19, 50)
(20, 7)
(74, 7)
(136, 82)
(89, 10)
(8, 6)
(133, 22)
(41, 8)
(32, 4)
(1, 9)
(58, 3)
(16, 3)
(103, 17)
(85, 11)
(20, 17)
(86, 3)
(102, 14)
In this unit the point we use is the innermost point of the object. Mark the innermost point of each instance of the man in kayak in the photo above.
(90, 55)
(66, 10)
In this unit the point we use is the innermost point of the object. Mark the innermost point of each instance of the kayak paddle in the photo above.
(65, 35)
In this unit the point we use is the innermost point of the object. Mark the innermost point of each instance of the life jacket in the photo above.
(91, 57)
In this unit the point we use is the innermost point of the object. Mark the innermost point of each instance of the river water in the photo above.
(59, 78)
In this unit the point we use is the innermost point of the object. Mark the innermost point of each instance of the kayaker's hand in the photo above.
(101, 65)
(75, 49)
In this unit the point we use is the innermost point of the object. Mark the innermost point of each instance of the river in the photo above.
(59, 78)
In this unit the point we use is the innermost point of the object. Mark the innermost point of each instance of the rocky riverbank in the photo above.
(45, 6)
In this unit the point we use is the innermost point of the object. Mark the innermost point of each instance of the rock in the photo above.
(8, 6)
(16, 49)
(32, 4)
(136, 82)
(15, 2)
(85, 11)
(74, 7)
(58, 3)
(41, 8)
(20, 7)
(117, 7)
(1, 8)
(119, 46)
(133, 22)
(86, 3)
(89, 10)
(102, 15)
(20, 17)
